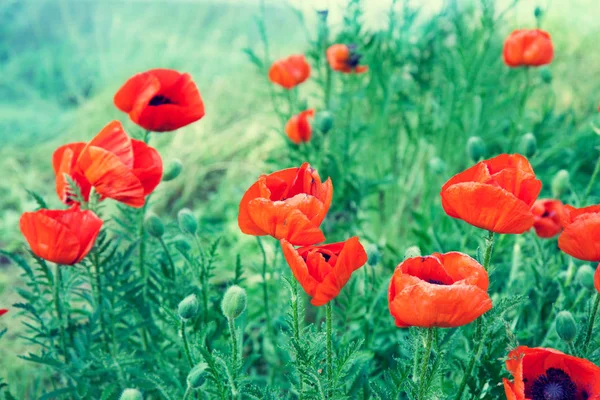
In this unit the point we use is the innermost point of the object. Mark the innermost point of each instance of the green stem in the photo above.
(142, 267)
(474, 357)
(297, 335)
(203, 280)
(59, 314)
(423, 376)
(234, 346)
(590, 185)
(186, 345)
(489, 246)
(594, 311)
(264, 281)
(328, 84)
(188, 391)
(523, 102)
(328, 320)
(99, 299)
(171, 263)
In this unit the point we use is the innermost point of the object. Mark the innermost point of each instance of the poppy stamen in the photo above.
(555, 385)
(159, 100)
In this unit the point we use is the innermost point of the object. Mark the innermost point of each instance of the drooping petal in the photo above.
(147, 165)
(299, 268)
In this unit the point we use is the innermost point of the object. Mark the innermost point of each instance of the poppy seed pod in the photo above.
(234, 302)
(560, 183)
(187, 221)
(585, 277)
(131, 394)
(538, 12)
(197, 376)
(412, 251)
(188, 308)
(566, 328)
(324, 121)
(154, 225)
(172, 170)
(475, 148)
(528, 145)
(373, 254)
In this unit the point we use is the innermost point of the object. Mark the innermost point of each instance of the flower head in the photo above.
(547, 215)
(289, 72)
(528, 47)
(298, 127)
(345, 59)
(581, 235)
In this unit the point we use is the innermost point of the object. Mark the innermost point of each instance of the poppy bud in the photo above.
(324, 120)
(188, 308)
(538, 12)
(197, 376)
(437, 165)
(546, 75)
(172, 170)
(475, 148)
(183, 245)
(373, 254)
(187, 221)
(566, 326)
(131, 394)
(585, 277)
(154, 225)
(412, 251)
(528, 145)
(560, 183)
(234, 302)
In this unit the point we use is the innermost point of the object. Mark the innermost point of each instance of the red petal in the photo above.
(147, 165)
(113, 139)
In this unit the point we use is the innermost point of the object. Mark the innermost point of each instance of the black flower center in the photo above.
(159, 100)
(436, 282)
(555, 385)
(354, 57)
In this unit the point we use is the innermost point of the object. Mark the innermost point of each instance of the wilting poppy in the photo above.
(3, 311)
(547, 217)
(61, 236)
(441, 290)
(298, 127)
(345, 58)
(495, 194)
(542, 374)
(160, 100)
(289, 204)
(324, 270)
(115, 165)
(581, 235)
(289, 72)
(528, 47)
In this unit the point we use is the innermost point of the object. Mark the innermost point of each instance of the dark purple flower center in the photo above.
(436, 282)
(554, 385)
(159, 100)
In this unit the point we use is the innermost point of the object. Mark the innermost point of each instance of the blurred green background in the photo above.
(62, 61)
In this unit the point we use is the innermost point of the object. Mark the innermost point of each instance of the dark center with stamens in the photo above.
(554, 385)
(326, 256)
(436, 282)
(159, 101)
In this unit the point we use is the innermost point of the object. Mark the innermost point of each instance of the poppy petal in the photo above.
(298, 267)
(581, 239)
(115, 140)
(147, 165)
(49, 239)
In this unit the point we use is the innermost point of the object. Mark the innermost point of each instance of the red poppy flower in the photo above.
(324, 270)
(495, 194)
(345, 58)
(117, 166)
(298, 127)
(547, 215)
(289, 204)
(3, 311)
(160, 100)
(528, 47)
(289, 72)
(441, 290)
(581, 236)
(61, 236)
(540, 373)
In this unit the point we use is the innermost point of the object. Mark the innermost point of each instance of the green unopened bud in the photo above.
(566, 326)
(131, 394)
(172, 170)
(538, 12)
(528, 145)
(437, 165)
(560, 183)
(546, 74)
(197, 376)
(475, 148)
(234, 302)
(412, 251)
(188, 308)
(183, 245)
(373, 254)
(324, 121)
(154, 226)
(187, 221)
(585, 277)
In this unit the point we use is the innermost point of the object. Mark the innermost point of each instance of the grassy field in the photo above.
(62, 61)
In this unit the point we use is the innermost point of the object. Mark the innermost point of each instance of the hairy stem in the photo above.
(186, 345)
(474, 357)
(423, 376)
(99, 299)
(297, 335)
(265, 286)
(59, 313)
(234, 347)
(328, 320)
(592, 319)
(489, 246)
(171, 263)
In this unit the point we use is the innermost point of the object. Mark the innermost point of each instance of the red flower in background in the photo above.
(581, 236)
(298, 127)
(495, 194)
(3, 311)
(528, 47)
(547, 216)
(61, 236)
(540, 373)
(324, 270)
(289, 72)
(289, 204)
(441, 290)
(116, 166)
(160, 100)
(345, 58)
